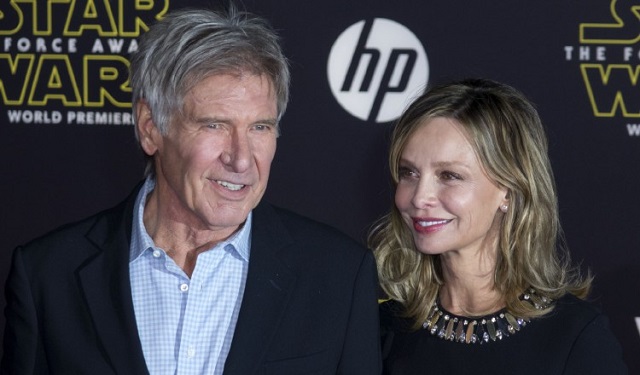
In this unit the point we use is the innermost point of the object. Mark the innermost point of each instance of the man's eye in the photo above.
(262, 127)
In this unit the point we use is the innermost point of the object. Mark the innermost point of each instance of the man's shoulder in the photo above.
(303, 228)
(302, 240)
(76, 235)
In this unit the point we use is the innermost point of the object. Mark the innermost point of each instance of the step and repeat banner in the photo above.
(67, 147)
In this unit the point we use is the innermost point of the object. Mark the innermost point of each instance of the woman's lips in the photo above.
(429, 225)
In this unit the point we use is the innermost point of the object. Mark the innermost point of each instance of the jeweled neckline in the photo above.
(486, 329)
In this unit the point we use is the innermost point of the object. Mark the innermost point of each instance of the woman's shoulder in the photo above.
(576, 309)
(392, 317)
(594, 347)
(580, 321)
(390, 307)
(392, 323)
(389, 310)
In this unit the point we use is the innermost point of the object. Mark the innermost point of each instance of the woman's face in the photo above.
(443, 193)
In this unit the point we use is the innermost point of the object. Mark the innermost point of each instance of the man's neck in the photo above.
(181, 240)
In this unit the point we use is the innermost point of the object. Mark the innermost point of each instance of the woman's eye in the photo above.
(447, 175)
(404, 172)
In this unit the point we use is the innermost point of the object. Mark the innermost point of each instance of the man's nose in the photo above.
(237, 153)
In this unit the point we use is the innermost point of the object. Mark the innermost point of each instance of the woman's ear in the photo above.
(504, 205)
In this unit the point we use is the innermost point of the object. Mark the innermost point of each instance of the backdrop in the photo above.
(68, 150)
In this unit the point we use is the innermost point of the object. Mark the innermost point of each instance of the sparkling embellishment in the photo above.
(448, 335)
(439, 321)
(480, 330)
(513, 323)
(471, 337)
(459, 334)
(492, 328)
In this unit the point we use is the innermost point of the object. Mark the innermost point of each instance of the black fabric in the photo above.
(309, 304)
(573, 339)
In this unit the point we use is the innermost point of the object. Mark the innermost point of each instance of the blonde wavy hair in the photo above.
(508, 137)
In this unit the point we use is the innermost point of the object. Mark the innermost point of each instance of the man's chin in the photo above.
(228, 218)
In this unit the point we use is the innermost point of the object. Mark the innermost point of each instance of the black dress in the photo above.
(573, 339)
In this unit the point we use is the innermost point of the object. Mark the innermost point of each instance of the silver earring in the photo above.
(504, 208)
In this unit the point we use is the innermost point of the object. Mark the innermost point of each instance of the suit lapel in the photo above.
(104, 280)
(268, 287)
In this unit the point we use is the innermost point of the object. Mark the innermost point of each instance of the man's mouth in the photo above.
(230, 186)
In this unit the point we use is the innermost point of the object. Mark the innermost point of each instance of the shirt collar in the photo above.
(240, 242)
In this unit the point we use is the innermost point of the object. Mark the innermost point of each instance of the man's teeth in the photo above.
(430, 223)
(229, 185)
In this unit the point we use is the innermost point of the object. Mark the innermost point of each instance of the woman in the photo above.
(469, 254)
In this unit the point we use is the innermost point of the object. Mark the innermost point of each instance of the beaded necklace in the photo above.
(481, 330)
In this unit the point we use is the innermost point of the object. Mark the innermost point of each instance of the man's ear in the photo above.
(148, 134)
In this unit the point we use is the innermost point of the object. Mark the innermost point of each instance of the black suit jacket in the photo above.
(309, 305)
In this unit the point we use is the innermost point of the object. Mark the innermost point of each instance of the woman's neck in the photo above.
(470, 302)
(469, 288)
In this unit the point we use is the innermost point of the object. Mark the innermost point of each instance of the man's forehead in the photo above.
(219, 93)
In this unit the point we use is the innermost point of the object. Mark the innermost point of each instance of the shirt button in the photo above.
(191, 352)
(184, 287)
(157, 253)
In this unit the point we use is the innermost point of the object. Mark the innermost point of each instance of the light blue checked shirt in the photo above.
(186, 325)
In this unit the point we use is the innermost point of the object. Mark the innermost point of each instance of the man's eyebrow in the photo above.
(268, 121)
(208, 120)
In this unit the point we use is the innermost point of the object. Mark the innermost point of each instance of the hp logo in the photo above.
(375, 68)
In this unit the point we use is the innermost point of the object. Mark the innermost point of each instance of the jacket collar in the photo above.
(267, 291)
(104, 280)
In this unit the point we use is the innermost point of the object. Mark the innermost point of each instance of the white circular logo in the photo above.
(375, 68)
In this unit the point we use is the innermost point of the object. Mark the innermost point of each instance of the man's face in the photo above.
(213, 165)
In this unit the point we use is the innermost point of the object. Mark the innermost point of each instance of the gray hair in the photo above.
(190, 45)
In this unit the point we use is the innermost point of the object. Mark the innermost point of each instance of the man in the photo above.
(192, 274)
